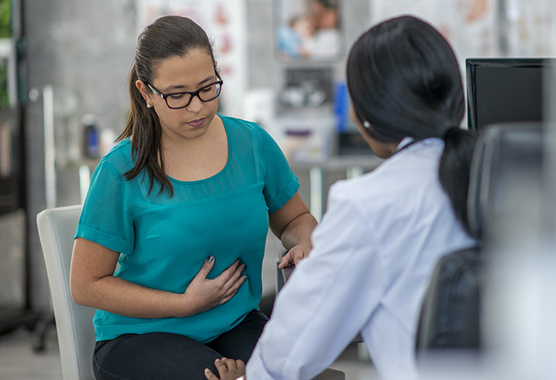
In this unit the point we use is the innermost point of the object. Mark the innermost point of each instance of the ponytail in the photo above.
(144, 126)
(454, 170)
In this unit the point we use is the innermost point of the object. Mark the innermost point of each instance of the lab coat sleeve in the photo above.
(328, 299)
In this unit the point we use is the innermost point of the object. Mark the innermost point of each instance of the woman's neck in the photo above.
(196, 159)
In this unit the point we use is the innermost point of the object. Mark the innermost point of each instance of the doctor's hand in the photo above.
(294, 256)
(203, 294)
(228, 369)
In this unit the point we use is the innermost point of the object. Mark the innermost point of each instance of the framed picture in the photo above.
(308, 30)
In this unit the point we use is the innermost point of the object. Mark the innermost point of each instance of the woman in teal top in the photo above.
(183, 204)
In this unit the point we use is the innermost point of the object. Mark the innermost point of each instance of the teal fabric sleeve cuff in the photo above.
(104, 239)
(284, 196)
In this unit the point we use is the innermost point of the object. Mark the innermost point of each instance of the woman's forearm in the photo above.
(93, 284)
(119, 296)
(298, 231)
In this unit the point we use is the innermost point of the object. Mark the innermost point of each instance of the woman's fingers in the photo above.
(240, 366)
(209, 375)
(236, 280)
(232, 269)
(220, 364)
(206, 268)
(294, 256)
(228, 369)
(233, 290)
(286, 261)
(235, 275)
(233, 279)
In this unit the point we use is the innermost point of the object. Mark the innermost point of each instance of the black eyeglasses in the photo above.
(177, 100)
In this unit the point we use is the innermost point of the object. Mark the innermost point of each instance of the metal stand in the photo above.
(48, 321)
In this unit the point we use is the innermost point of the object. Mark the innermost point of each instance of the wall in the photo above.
(82, 48)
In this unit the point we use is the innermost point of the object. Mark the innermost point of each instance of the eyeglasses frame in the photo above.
(193, 93)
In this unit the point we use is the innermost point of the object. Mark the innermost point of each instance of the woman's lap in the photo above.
(239, 342)
(171, 356)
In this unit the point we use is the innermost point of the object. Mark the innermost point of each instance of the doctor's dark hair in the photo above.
(167, 37)
(404, 81)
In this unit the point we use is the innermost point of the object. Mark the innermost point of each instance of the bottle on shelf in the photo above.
(91, 137)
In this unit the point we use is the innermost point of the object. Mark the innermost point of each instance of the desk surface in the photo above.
(367, 163)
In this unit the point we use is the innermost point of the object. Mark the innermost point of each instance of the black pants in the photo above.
(168, 356)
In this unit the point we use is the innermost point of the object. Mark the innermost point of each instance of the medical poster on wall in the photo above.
(471, 26)
(531, 28)
(225, 22)
(308, 29)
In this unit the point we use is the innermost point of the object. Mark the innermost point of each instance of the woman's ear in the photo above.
(353, 116)
(144, 90)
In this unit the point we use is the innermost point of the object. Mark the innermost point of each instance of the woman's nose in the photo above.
(196, 104)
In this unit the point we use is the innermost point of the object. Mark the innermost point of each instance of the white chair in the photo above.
(73, 322)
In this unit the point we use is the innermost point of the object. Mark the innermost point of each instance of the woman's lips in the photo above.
(196, 123)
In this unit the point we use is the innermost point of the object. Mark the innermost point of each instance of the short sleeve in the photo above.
(281, 184)
(105, 218)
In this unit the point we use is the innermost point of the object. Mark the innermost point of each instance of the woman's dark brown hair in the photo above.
(167, 37)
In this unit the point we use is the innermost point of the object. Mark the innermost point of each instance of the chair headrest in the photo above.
(505, 156)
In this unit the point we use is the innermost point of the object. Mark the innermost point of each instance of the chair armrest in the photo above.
(287, 272)
(282, 275)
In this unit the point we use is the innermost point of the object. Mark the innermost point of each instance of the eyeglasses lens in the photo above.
(206, 94)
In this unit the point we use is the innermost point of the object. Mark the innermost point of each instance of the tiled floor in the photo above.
(18, 361)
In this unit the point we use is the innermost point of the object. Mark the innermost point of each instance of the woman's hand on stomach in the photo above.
(203, 294)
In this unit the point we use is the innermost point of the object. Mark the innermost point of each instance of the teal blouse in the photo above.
(165, 240)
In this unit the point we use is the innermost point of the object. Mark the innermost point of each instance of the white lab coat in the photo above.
(373, 254)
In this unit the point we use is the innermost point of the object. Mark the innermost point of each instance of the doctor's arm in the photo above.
(293, 224)
(326, 302)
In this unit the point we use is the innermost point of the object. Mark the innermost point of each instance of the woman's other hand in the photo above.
(203, 294)
(294, 256)
(293, 224)
(228, 369)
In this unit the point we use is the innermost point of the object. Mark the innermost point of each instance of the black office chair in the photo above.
(508, 159)
(506, 156)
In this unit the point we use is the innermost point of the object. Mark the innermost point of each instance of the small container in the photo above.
(91, 137)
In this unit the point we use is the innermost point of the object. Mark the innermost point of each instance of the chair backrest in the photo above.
(76, 337)
(450, 313)
(507, 157)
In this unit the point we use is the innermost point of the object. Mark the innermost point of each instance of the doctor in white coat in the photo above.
(376, 247)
